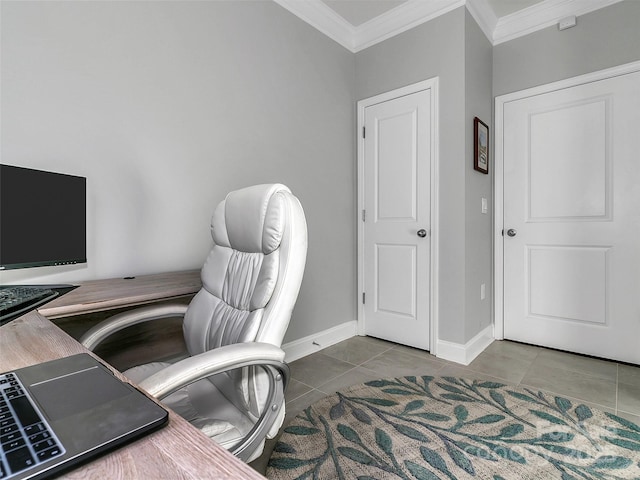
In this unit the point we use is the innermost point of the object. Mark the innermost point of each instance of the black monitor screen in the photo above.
(42, 218)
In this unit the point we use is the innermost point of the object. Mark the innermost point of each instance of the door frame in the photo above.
(501, 101)
(430, 84)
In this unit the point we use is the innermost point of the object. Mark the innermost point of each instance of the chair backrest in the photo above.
(251, 278)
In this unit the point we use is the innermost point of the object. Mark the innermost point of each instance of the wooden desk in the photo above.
(178, 450)
(101, 295)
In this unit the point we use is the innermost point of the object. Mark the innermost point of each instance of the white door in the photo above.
(572, 218)
(397, 179)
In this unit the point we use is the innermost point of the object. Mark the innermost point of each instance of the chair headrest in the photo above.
(251, 219)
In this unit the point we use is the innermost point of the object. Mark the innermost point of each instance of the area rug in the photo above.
(428, 428)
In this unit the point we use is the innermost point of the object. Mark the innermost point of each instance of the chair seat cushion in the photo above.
(202, 405)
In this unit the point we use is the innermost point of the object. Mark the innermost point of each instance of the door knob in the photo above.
(422, 233)
(511, 232)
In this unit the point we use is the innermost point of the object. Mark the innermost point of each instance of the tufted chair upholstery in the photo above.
(232, 385)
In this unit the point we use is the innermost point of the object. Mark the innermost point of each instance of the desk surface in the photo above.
(178, 450)
(100, 295)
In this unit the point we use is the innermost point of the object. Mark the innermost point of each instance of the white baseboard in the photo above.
(313, 343)
(464, 354)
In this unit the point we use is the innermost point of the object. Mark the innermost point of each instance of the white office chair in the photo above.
(232, 386)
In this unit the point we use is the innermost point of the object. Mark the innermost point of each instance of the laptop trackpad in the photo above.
(70, 394)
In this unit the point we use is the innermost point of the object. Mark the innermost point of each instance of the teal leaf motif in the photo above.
(460, 459)
(282, 447)
(507, 453)
(498, 398)
(452, 380)
(337, 411)
(624, 422)
(583, 412)
(356, 455)
(384, 441)
(455, 396)
(361, 416)
(419, 472)
(625, 433)
(413, 405)
(476, 451)
(411, 433)
(511, 430)
(349, 433)
(628, 444)
(461, 413)
(434, 459)
(567, 452)
(450, 388)
(380, 383)
(300, 430)
(557, 437)
(397, 391)
(563, 404)
(548, 417)
(492, 418)
(490, 385)
(522, 396)
(612, 461)
(380, 401)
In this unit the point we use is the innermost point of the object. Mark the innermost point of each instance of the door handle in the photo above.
(511, 232)
(421, 233)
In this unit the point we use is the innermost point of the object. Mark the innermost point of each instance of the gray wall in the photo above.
(602, 39)
(167, 106)
(478, 226)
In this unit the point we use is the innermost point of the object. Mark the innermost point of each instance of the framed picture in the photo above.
(480, 146)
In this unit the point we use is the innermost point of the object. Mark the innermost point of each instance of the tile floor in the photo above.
(606, 385)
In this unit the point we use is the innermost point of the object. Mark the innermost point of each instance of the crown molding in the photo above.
(543, 15)
(400, 19)
(483, 14)
(317, 14)
(416, 12)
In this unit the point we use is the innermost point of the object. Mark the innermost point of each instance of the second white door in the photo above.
(572, 218)
(397, 224)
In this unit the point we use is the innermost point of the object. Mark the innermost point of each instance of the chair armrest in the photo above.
(92, 338)
(221, 359)
(229, 357)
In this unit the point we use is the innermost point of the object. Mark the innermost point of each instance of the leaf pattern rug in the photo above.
(428, 428)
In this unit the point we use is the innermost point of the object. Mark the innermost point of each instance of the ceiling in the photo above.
(358, 24)
(357, 12)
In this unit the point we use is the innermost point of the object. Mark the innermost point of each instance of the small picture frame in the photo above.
(480, 146)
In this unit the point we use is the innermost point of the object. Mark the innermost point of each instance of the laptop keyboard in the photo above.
(26, 439)
(20, 299)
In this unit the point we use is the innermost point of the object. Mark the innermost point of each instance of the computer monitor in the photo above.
(42, 218)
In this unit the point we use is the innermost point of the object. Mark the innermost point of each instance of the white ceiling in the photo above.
(357, 12)
(358, 24)
(502, 8)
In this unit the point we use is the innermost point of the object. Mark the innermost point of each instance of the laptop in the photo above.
(58, 414)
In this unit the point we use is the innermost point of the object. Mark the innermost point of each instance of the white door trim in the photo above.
(431, 84)
(501, 101)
